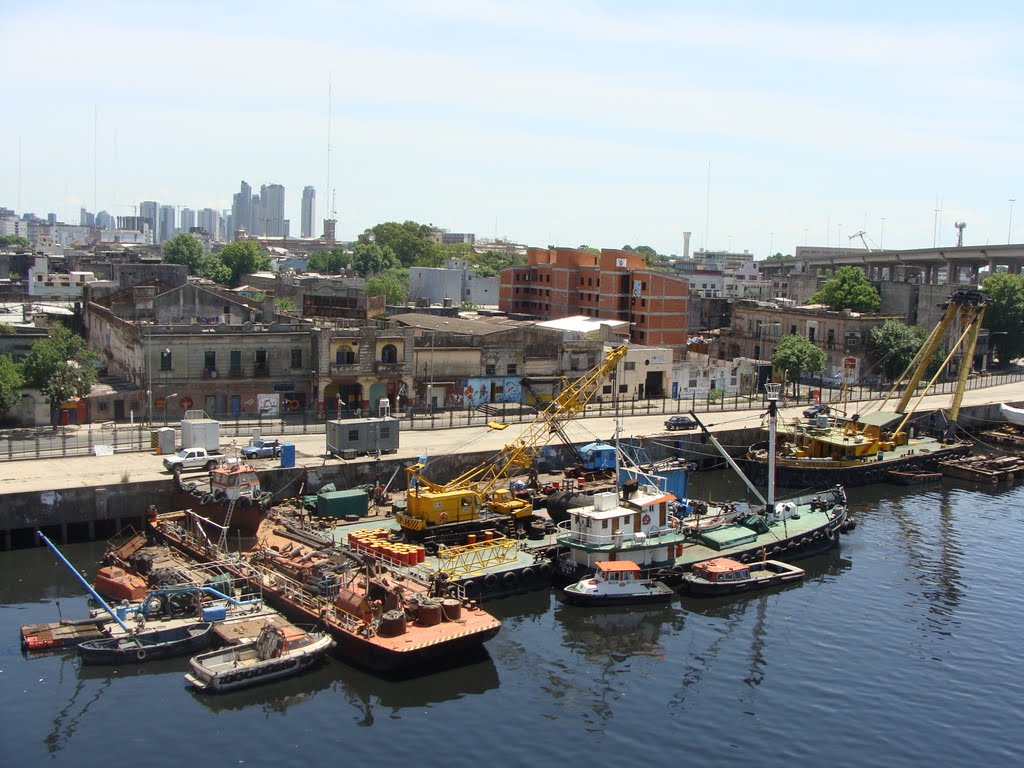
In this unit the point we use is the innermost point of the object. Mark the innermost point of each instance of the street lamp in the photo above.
(166, 398)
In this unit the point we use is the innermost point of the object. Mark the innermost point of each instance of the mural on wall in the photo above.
(478, 392)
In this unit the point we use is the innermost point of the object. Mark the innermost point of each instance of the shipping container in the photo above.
(338, 504)
(197, 431)
(363, 436)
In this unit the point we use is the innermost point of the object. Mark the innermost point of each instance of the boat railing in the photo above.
(624, 539)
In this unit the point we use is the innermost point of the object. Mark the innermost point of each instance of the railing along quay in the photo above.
(123, 437)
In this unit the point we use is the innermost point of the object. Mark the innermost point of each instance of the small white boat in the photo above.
(725, 576)
(277, 652)
(616, 582)
(1012, 415)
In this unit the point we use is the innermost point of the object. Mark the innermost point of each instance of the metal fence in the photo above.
(88, 439)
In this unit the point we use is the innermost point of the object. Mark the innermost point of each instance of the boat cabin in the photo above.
(616, 571)
(233, 481)
(722, 569)
(274, 642)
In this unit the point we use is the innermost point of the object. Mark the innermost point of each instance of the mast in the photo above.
(772, 388)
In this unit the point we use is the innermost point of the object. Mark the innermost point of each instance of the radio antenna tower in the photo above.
(960, 227)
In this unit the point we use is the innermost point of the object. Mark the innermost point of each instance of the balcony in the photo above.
(387, 368)
(209, 373)
(235, 373)
(347, 369)
(261, 370)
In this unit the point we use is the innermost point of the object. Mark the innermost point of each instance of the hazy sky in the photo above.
(561, 123)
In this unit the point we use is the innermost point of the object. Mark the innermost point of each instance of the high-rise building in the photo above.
(51, 219)
(150, 213)
(308, 212)
(166, 228)
(186, 219)
(241, 211)
(104, 220)
(272, 210)
(86, 219)
(209, 222)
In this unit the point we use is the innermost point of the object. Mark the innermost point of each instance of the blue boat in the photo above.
(147, 646)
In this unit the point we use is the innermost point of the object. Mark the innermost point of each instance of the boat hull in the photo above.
(151, 646)
(693, 585)
(816, 474)
(654, 595)
(264, 671)
(245, 517)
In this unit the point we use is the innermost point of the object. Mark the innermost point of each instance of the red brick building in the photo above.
(611, 285)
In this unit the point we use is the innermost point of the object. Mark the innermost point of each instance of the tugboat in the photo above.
(724, 576)
(616, 582)
(233, 499)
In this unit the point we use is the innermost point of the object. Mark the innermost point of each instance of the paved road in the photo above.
(61, 472)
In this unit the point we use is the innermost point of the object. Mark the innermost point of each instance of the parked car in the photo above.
(262, 449)
(815, 409)
(192, 458)
(680, 422)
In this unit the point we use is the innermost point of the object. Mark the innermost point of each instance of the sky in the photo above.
(755, 126)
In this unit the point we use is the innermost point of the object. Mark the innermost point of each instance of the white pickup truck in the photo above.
(192, 458)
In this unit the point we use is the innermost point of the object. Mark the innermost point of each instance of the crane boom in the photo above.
(463, 498)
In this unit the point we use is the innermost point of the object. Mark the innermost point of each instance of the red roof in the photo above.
(613, 566)
(721, 565)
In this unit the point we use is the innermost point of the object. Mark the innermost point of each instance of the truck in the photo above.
(192, 458)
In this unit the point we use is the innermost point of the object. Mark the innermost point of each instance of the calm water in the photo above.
(900, 649)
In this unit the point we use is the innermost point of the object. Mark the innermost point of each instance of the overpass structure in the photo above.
(951, 265)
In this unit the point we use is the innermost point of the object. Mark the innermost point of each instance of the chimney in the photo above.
(269, 308)
(686, 245)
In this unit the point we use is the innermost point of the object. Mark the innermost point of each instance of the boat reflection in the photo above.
(617, 633)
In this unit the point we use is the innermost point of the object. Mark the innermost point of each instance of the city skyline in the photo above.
(752, 127)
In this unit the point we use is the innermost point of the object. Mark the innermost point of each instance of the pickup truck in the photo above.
(262, 449)
(192, 458)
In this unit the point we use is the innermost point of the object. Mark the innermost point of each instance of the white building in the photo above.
(54, 285)
(455, 281)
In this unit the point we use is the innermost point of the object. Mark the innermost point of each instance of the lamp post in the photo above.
(166, 398)
(149, 372)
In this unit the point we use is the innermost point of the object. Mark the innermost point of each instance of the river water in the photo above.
(902, 648)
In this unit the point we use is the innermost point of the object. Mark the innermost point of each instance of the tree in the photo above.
(409, 241)
(14, 241)
(11, 382)
(893, 345)
(60, 366)
(490, 263)
(1004, 316)
(796, 355)
(243, 258)
(389, 284)
(849, 289)
(212, 268)
(331, 262)
(284, 304)
(372, 259)
(184, 249)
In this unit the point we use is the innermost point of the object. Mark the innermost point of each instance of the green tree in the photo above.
(14, 241)
(11, 382)
(213, 268)
(389, 284)
(372, 259)
(284, 304)
(243, 258)
(893, 345)
(331, 262)
(184, 249)
(849, 289)
(796, 355)
(409, 241)
(491, 262)
(1004, 316)
(60, 366)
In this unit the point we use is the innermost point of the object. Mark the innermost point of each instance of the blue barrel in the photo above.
(288, 454)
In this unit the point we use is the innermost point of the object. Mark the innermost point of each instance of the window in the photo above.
(606, 389)
(165, 360)
(261, 358)
(385, 433)
(511, 369)
(296, 358)
(353, 435)
(210, 360)
(629, 365)
(102, 406)
(489, 370)
(236, 362)
(389, 354)
(623, 389)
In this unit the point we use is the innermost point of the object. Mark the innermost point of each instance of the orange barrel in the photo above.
(421, 554)
(679, 550)
(410, 555)
(471, 538)
(488, 535)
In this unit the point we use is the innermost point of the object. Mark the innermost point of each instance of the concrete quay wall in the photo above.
(88, 512)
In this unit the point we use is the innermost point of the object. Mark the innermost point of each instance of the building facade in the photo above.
(308, 224)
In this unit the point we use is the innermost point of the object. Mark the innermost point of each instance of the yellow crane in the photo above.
(476, 499)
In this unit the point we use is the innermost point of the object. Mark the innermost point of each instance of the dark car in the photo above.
(262, 449)
(815, 409)
(680, 422)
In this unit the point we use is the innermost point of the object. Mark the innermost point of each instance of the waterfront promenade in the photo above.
(59, 473)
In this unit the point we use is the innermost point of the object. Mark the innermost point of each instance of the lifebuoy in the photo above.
(140, 654)
(646, 519)
(294, 405)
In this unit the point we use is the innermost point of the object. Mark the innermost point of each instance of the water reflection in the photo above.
(616, 634)
(70, 716)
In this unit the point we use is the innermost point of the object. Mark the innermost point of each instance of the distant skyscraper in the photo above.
(86, 219)
(51, 219)
(272, 210)
(166, 228)
(209, 222)
(105, 220)
(186, 219)
(150, 213)
(308, 225)
(241, 211)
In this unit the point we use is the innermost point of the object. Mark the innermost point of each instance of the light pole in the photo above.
(149, 372)
(166, 398)
(1009, 228)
